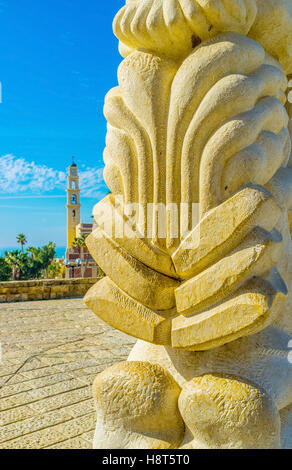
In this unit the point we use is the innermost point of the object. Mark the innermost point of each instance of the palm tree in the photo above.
(21, 239)
(77, 242)
(33, 251)
(13, 259)
(80, 241)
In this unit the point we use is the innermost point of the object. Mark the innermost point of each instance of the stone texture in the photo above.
(18, 291)
(250, 310)
(254, 257)
(234, 220)
(121, 311)
(131, 397)
(219, 401)
(200, 116)
(51, 352)
(118, 225)
(154, 289)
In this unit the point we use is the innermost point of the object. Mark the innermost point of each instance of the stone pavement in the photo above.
(51, 352)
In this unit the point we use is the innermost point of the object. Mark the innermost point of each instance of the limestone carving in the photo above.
(194, 237)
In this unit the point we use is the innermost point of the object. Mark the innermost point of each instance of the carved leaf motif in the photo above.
(182, 124)
(212, 130)
(175, 27)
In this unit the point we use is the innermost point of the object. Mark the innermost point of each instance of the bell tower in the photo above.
(73, 203)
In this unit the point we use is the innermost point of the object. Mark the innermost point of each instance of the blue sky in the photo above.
(58, 60)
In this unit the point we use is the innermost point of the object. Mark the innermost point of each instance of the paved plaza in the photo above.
(51, 352)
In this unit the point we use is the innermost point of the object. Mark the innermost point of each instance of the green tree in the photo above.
(33, 264)
(79, 242)
(15, 260)
(46, 255)
(32, 251)
(32, 268)
(21, 239)
(54, 270)
(5, 270)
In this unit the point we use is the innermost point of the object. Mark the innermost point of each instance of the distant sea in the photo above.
(60, 250)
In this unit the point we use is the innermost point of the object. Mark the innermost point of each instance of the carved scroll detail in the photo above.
(174, 27)
(210, 130)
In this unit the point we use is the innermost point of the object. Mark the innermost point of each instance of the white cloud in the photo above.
(21, 177)
(90, 180)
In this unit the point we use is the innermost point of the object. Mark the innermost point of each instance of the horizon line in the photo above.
(44, 197)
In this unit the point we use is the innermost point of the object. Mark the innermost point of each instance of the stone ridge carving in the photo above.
(173, 139)
(199, 118)
(174, 27)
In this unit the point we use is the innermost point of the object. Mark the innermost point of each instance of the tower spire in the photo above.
(73, 203)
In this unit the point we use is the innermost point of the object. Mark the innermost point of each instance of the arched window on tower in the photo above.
(73, 213)
(73, 184)
(73, 199)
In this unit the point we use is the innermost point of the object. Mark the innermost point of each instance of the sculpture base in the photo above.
(235, 396)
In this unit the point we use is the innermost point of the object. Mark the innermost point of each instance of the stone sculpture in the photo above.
(200, 116)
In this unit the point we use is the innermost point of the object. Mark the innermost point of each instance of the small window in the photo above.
(73, 213)
(73, 184)
(73, 199)
(74, 172)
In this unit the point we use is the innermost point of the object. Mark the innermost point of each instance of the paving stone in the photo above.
(88, 436)
(35, 423)
(26, 385)
(51, 353)
(75, 443)
(16, 414)
(16, 379)
(4, 370)
(80, 409)
(62, 400)
(9, 390)
(42, 372)
(36, 440)
(77, 426)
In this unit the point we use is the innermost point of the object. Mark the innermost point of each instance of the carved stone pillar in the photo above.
(198, 125)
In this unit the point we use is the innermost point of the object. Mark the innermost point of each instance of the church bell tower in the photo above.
(73, 203)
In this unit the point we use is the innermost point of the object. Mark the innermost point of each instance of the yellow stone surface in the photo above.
(212, 408)
(250, 310)
(51, 352)
(259, 252)
(115, 223)
(122, 312)
(199, 117)
(132, 397)
(155, 290)
(233, 220)
(13, 291)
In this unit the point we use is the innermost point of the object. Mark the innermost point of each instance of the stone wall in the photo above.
(18, 291)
